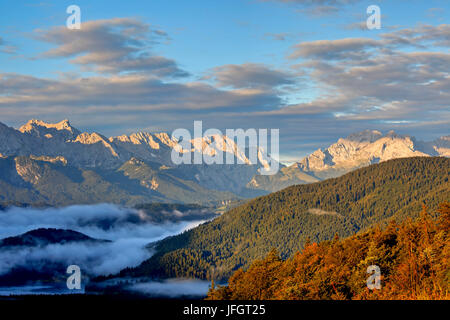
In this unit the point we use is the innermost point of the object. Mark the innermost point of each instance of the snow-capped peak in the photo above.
(35, 123)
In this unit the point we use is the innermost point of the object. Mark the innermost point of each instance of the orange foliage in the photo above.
(413, 256)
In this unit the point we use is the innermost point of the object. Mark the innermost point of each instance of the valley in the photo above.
(286, 220)
(196, 222)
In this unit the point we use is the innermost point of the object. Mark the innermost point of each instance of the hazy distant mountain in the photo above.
(347, 154)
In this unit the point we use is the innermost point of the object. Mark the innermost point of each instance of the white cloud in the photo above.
(111, 46)
(126, 228)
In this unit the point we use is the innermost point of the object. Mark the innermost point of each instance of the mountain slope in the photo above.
(45, 236)
(95, 152)
(50, 181)
(399, 250)
(286, 219)
(166, 184)
(347, 154)
(100, 157)
(286, 177)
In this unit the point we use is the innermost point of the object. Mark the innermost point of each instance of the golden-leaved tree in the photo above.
(413, 257)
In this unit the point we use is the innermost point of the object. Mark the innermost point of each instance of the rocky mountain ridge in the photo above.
(347, 154)
(147, 159)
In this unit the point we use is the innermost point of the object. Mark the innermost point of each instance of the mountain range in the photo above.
(286, 220)
(57, 164)
(347, 154)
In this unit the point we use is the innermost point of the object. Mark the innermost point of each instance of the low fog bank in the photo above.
(167, 288)
(172, 288)
(37, 289)
(101, 221)
(128, 229)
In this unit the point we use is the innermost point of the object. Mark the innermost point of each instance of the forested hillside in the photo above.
(287, 219)
(413, 258)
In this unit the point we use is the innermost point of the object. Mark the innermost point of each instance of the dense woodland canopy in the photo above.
(413, 256)
(288, 219)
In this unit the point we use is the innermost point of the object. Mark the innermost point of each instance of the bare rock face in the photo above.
(29, 171)
(143, 145)
(40, 129)
(62, 143)
(85, 149)
(347, 154)
(41, 139)
(44, 140)
(365, 148)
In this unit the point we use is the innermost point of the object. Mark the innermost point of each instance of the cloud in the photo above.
(395, 79)
(124, 93)
(317, 8)
(6, 47)
(360, 25)
(93, 259)
(436, 13)
(250, 75)
(172, 288)
(127, 228)
(130, 77)
(320, 11)
(103, 221)
(379, 85)
(111, 46)
(400, 81)
(281, 36)
(349, 48)
(421, 36)
(363, 67)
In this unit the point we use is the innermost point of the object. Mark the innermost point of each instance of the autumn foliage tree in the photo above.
(414, 259)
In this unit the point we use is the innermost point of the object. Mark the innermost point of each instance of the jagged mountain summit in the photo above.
(138, 168)
(61, 130)
(347, 154)
(368, 147)
(90, 150)
(135, 168)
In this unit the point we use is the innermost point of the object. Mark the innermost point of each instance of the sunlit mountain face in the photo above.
(317, 70)
(38, 244)
(57, 161)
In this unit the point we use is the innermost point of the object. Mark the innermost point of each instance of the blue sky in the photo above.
(304, 66)
(209, 33)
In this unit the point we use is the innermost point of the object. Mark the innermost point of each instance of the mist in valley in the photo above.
(128, 230)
